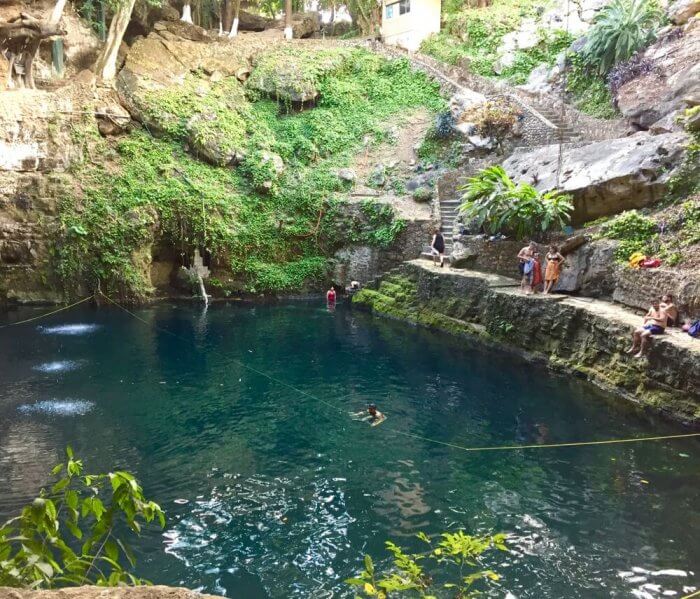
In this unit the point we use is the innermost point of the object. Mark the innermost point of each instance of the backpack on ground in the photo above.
(694, 329)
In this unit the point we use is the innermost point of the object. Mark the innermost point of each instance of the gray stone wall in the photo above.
(590, 271)
(588, 338)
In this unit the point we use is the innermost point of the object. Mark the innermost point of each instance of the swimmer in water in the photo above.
(372, 415)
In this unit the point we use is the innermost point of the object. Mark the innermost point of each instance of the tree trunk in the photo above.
(186, 13)
(107, 62)
(236, 14)
(57, 12)
(227, 15)
(288, 19)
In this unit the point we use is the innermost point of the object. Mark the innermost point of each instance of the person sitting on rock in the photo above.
(524, 257)
(655, 322)
(671, 310)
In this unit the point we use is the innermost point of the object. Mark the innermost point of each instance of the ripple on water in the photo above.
(267, 514)
(57, 366)
(69, 329)
(58, 407)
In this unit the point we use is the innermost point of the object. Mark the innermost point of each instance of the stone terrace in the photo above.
(586, 337)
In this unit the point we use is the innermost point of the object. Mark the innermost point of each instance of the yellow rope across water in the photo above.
(63, 309)
(428, 439)
(389, 428)
(547, 445)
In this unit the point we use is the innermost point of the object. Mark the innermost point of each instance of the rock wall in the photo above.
(590, 270)
(605, 177)
(585, 337)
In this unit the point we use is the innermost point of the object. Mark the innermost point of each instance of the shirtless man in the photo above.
(373, 416)
(671, 310)
(655, 322)
(524, 256)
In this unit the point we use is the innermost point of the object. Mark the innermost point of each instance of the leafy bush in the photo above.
(550, 45)
(444, 125)
(621, 28)
(495, 118)
(634, 231)
(589, 91)
(455, 553)
(624, 72)
(495, 202)
(38, 547)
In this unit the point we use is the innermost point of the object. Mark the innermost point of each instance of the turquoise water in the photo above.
(272, 494)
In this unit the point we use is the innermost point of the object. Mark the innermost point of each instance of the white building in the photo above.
(407, 23)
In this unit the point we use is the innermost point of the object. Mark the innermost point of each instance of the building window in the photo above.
(401, 8)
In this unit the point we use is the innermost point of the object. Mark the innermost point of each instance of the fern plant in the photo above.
(621, 28)
(496, 203)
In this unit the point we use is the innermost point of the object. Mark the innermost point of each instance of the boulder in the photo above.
(590, 269)
(673, 82)
(465, 102)
(681, 11)
(604, 177)
(213, 140)
(347, 174)
(305, 24)
(112, 119)
(247, 21)
(289, 73)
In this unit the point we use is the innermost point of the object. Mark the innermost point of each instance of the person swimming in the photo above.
(372, 415)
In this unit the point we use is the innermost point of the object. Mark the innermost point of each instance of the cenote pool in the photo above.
(270, 494)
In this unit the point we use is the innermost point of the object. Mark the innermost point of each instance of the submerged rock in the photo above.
(605, 177)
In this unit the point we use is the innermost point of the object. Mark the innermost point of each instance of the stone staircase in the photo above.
(564, 132)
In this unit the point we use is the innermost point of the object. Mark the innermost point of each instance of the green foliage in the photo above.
(383, 226)
(590, 93)
(476, 33)
(277, 237)
(621, 28)
(454, 566)
(551, 44)
(634, 231)
(686, 181)
(495, 202)
(73, 533)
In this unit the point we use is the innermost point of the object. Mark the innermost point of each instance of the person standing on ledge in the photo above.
(551, 273)
(655, 322)
(524, 257)
(437, 247)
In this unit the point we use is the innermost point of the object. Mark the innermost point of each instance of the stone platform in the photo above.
(581, 335)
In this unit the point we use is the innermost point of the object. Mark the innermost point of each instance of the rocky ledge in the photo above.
(92, 592)
(581, 335)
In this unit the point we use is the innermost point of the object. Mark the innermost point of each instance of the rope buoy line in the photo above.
(14, 324)
(389, 428)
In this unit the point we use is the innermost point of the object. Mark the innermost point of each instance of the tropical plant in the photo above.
(620, 29)
(495, 202)
(457, 554)
(72, 534)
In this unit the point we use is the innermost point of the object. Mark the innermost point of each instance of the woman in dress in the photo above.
(551, 273)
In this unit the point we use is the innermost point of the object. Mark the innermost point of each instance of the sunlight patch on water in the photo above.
(58, 407)
(57, 366)
(69, 329)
